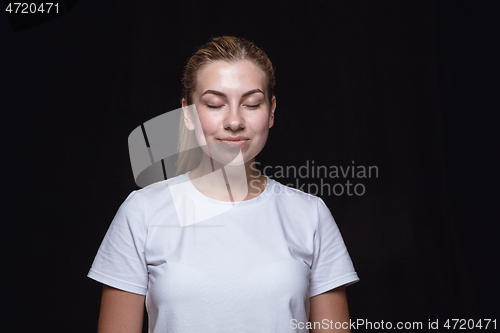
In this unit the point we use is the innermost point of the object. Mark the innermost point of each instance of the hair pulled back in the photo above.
(227, 48)
(230, 49)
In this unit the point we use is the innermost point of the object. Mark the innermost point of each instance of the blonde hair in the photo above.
(230, 49)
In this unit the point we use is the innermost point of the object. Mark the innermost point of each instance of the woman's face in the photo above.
(233, 109)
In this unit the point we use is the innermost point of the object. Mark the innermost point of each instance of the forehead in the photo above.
(236, 77)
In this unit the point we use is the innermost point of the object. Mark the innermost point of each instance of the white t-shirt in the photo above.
(241, 267)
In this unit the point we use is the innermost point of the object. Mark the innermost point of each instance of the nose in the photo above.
(233, 119)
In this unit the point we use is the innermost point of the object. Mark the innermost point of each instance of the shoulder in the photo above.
(293, 197)
(140, 200)
(159, 190)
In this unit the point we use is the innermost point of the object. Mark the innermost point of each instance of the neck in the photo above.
(242, 182)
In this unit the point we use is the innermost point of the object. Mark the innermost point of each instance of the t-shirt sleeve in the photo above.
(332, 266)
(120, 261)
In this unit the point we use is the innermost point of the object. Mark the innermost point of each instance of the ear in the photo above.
(188, 121)
(271, 113)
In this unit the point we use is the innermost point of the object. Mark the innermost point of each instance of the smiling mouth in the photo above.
(234, 143)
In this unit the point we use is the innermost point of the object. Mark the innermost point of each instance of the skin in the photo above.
(121, 311)
(331, 305)
(231, 99)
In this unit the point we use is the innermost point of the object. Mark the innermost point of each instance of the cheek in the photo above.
(207, 122)
(261, 125)
(209, 125)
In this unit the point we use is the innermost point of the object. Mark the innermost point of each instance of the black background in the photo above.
(408, 86)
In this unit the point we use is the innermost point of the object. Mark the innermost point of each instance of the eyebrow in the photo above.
(218, 93)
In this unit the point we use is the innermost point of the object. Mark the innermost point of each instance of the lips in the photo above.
(234, 141)
(233, 138)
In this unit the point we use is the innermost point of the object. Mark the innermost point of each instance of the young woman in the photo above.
(220, 247)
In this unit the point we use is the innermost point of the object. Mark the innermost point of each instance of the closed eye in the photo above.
(255, 106)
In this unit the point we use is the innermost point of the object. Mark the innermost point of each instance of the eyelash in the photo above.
(219, 106)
